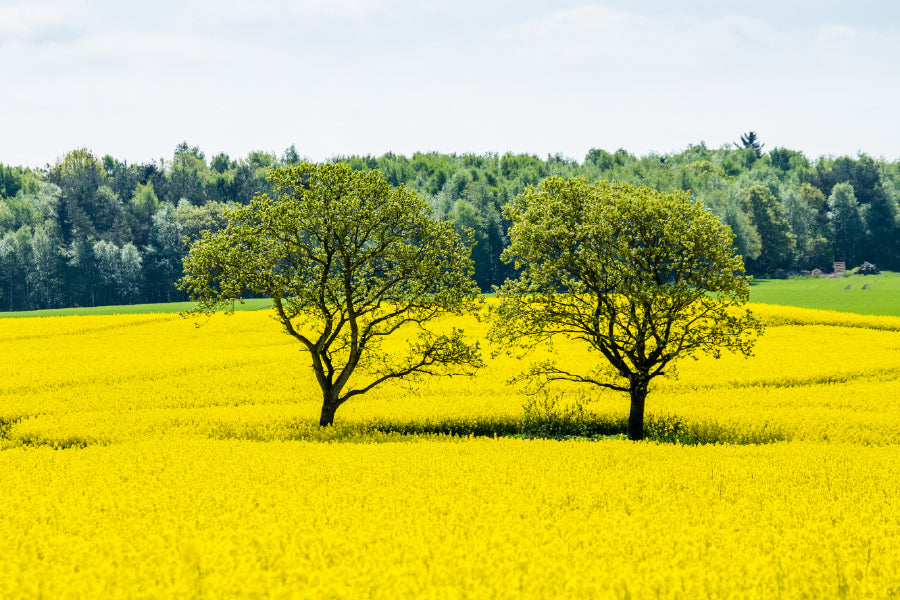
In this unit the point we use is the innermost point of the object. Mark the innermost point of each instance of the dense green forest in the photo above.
(92, 231)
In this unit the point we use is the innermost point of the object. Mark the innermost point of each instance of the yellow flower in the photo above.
(188, 467)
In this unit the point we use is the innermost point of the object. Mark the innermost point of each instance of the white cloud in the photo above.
(354, 76)
(241, 12)
(35, 21)
(856, 48)
(596, 33)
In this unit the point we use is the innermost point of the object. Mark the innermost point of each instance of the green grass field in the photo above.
(172, 307)
(861, 294)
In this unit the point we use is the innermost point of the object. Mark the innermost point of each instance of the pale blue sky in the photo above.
(370, 76)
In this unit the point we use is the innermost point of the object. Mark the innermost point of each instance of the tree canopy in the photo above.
(643, 278)
(750, 140)
(767, 216)
(85, 200)
(348, 260)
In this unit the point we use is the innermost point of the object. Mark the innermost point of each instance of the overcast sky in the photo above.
(336, 77)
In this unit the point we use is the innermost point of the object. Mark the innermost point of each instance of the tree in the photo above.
(882, 220)
(144, 204)
(290, 156)
(130, 274)
(16, 179)
(45, 274)
(81, 273)
(15, 259)
(639, 276)
(723, 204)
(751, 140)
(802, 220)
(846, 223)
(164, 254)
(108, 259)
(220, 163)
(79, 177)
(815, 199)
(187, 177)
(16, 212)
(196, 219)
(348, 261)
(787, 160)
(767, 216)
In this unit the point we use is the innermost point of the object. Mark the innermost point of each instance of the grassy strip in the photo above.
(881, 295)
(131, 309)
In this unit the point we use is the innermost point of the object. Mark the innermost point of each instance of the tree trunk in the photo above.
(636, 417)
(330, 405)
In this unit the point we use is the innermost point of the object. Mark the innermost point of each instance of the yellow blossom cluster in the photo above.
(104, 379)
(477, 517)
(144, 456)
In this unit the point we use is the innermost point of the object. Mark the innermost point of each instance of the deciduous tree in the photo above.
(348, 261)
(767, 216)
(641, 277)
(846, 223)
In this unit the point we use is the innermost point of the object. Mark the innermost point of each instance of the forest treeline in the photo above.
(92, 231)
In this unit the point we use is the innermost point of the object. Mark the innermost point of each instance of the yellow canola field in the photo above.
(119, 378)
(171, 497)
(473, 518)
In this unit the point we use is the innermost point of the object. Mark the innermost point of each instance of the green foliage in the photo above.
(672, 429)
(82, 200)
(787, 160)
(724, 204)
(704, 168)
(80, 176)
(144, 199)
(550, 421)
(548, 415)
(643, 278)
(802, 220)
(348, 260)
(194, 220)
(750, 141)
(17, 212)
(846, 223)
(15, 181)
(767, 216)
(144, 204)
(221, 163)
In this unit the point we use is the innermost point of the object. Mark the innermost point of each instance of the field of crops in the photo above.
(143, 456)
